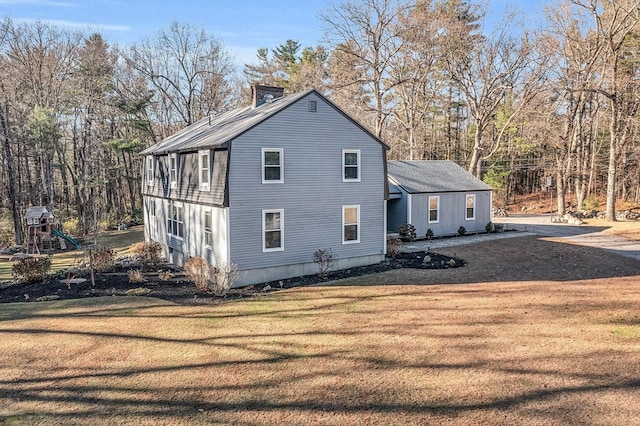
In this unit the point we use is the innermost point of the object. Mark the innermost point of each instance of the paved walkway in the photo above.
(426, 245)
(592, 236)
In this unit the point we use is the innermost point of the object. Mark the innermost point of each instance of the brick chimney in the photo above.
(261, 94)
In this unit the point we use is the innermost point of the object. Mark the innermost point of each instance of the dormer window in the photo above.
(204, 164)
(272, 170)
(173, 170)
(351, 165)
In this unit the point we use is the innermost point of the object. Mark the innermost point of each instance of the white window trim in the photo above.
(150, 170)
(437, 197)
(204, 186)
(152, 207)
(171, 205)
(357, 240)
(281, 152)
(204, 228)
(344, 166)
(173, 174)
(264, 240)
(474, 206)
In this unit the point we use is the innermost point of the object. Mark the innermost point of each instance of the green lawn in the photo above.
(493, 353)
(120, 241)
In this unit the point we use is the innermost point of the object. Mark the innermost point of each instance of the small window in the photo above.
(152, 207)
(471, 207)
(350, 224)
(208, 229)
(175, 221)
(351, 165)
(272, 230)
(149, 170)
(434, 209)
(272, 165)
(204, 164)
(313, 105)
(173, 170)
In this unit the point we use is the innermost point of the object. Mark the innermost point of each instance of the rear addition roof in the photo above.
(431, 176)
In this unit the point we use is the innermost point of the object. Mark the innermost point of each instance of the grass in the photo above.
(120, 241)
(492, 353)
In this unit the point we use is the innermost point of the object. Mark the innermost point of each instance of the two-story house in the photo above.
(265, 186)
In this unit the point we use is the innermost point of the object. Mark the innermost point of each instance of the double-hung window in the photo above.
(434, 209)
(173, 170)
(149, 170)
(350, 224)
(204, 165)
(152, 207)
(351, 165)
(471, 207)
(273, 230)
(272, 165)
(208, 229)
(175, 220)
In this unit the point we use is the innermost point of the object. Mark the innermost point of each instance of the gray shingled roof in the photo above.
(220, 129)
(431, 176)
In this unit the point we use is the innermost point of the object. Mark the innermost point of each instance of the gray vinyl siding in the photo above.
(188, 183)
(452, 214)
(313, 193)
(396, 213)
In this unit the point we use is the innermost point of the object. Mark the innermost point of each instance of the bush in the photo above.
(429, 234)
(462, 230)
(407, 232)
(136, 276)
(165, 275)
(225, 276)
(150, 254)
(325, 259)
(394, 245)
(102, 259)
(200, 272)
(207, 277)
(71, 225)
(590, 203)
(31, 269)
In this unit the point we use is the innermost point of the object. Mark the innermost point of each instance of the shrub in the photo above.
(102, 259)
(200, 272)
(225, 276)
(136, 276)
(429, 234)
(394, 245)
(71, 225)
(590, 203)
(462, 230)
(407, 232)
(150, 254)
(165, 275)
(136, 217)
(207, 277)
(488, 227)
(325, 259)
(31, 269)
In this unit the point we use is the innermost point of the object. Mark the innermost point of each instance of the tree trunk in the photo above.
(14, 196)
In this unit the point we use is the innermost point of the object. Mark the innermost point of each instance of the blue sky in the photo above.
(243, 26)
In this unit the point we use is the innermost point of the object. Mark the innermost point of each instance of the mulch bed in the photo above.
(182, 291)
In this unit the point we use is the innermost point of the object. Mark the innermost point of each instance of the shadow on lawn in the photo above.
(92, 403)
